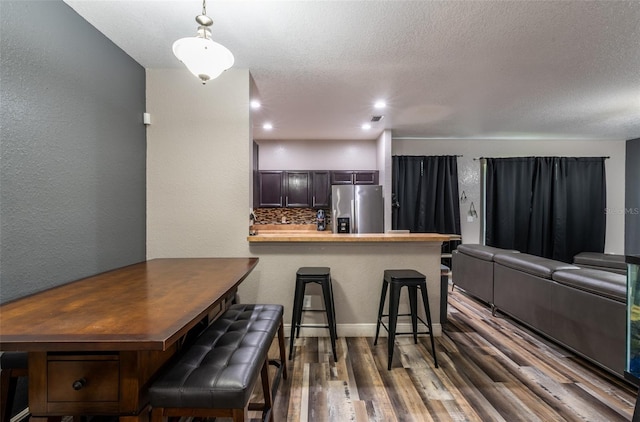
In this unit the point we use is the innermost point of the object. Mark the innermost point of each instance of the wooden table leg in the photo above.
(143, 416)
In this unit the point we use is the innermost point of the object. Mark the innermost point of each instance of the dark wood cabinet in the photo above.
(271, 189)
(342, 178)
(354, 177)
(321, 189)
(365, 177)
(305, 189)
(297, 189)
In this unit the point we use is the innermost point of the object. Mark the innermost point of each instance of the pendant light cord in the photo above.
(204, 7)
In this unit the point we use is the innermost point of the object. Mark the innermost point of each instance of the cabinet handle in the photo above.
(286, 200)
(313, 202)
(79, 384)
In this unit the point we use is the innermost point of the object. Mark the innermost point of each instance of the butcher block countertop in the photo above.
(308, 233)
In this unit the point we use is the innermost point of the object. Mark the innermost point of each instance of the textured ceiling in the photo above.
(448, 69)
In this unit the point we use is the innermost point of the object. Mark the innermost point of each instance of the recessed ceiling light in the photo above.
(255, 104)
(380, 104)
(366, 126)
(267, 126)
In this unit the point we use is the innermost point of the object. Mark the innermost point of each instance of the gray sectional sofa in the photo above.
(582, 309)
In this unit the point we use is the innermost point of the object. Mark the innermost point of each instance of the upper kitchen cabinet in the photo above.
(270, 189)
(297, 189)
(305, 189)
(365, 177)
(321, 189)
(354, 177)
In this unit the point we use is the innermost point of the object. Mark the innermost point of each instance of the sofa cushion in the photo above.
(486, 253)
(599, 282)
(596, 259)
(531, 264)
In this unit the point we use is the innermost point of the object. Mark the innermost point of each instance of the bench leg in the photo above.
(157, 415)
(266, 388)
(283, 353)
(7, 393)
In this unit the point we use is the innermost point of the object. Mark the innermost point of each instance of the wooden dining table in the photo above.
(95, 344)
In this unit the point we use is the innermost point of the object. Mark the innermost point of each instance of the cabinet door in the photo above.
(271, 189)
(365, 178)
(321, 189)
(341, 177)
(298, 189)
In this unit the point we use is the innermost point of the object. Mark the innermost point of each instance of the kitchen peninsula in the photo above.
(357, 263)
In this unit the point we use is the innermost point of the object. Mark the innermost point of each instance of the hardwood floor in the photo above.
(491, 369)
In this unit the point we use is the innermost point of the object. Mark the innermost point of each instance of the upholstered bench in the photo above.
(522, 288)
(472, 269)
(601, 261)
(215, 376)
(590, 308)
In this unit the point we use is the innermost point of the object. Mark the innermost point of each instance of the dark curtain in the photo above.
(579, 206)
(547, 206)
(425, 194)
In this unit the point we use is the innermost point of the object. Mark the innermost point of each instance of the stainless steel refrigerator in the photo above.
(357, 209)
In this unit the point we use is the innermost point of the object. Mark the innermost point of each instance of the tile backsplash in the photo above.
(287, 216)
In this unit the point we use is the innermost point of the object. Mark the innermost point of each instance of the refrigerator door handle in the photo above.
(354, 222)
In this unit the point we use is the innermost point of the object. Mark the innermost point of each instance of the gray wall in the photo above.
(632, 199)
(73, 170)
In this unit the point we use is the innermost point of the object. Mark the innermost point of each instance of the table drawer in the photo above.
(83, 380)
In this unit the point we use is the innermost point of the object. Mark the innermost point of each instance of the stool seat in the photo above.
(413, 280)
(313, 271)
(403, 275)
(321, 276)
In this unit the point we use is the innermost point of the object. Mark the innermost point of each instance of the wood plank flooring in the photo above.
(491, 369)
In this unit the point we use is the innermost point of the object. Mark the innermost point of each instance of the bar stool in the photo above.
(321, 276)
(14, 365)
(413, 280)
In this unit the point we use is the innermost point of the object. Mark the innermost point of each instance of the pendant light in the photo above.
(203, 57)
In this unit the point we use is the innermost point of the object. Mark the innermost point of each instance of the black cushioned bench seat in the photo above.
(603, 283)
(486, 253)
(531, 264)
(601, 261)
(472, 269)
(220, 369)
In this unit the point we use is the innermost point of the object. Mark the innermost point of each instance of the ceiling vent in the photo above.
(376, 118)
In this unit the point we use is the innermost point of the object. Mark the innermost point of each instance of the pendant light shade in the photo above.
(203, 57)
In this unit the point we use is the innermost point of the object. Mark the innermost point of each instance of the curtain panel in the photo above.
(425, 194)
(547, 206)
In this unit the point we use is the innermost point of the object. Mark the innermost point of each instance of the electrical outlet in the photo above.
(307, 301)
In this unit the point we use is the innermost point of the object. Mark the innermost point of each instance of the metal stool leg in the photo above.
(394, 300)
(425, 300)
(383, 297)
(297, 314)
(331, 322)
(413, 305)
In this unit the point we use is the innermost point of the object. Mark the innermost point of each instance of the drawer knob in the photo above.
(79, 384)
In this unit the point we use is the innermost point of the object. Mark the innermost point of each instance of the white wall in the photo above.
(384, 168)
(318, 155)
(469, 172)
(198, 196)
(198, 164)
